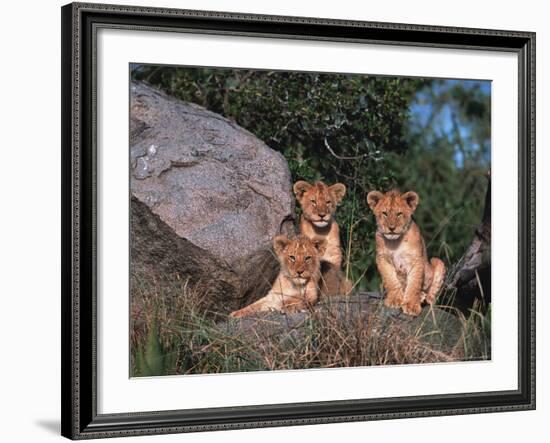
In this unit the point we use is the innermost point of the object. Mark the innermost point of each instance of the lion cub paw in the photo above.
(394, 299)
(412, 308)
(430, 299)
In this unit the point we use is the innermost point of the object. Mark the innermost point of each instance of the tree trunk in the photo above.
(471, 277)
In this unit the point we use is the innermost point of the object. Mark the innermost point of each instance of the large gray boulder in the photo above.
(207, 198)
(162, 262)
(212, 182)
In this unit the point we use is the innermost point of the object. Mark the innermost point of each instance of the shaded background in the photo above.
(368, 132)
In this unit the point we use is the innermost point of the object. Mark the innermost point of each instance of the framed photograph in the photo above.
(273, 221)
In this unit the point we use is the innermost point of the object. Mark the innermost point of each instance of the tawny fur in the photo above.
(296, 286)
(318, 202)
(408, 276)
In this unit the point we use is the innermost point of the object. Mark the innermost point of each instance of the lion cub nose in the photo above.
(322, 215)
(300, 271)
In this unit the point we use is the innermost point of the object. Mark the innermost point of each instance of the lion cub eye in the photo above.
(385, 214)
(313, 202)
(399, 214)
(308, 258)
(329, 202)
(292, 258)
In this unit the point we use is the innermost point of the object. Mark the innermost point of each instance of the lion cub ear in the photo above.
(321, 245)
(338, 190)
(300, 188)
(411, 198)
(373, 198)
(280, 242)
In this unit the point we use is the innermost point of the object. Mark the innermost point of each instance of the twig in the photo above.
(342, 157)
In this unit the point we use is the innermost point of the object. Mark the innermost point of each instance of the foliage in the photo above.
(151, 358)
(431, 136)
(446, 163)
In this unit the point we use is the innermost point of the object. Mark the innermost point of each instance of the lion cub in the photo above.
(319, 202)
(296, 286)
(408, 277)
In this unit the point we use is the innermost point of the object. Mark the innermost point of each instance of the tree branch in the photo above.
(341, 157)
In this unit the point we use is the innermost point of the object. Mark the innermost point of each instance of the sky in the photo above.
(422, 107)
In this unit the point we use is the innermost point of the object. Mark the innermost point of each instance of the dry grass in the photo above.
(173, 333)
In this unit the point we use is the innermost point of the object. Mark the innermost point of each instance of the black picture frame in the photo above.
(79, 169)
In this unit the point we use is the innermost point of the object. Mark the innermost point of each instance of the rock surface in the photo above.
(437, 327)
(160, 256)
(207, 198)
(212, 182)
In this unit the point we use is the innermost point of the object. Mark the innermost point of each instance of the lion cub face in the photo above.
(319, 201)
(300, 257)
(393, 211)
